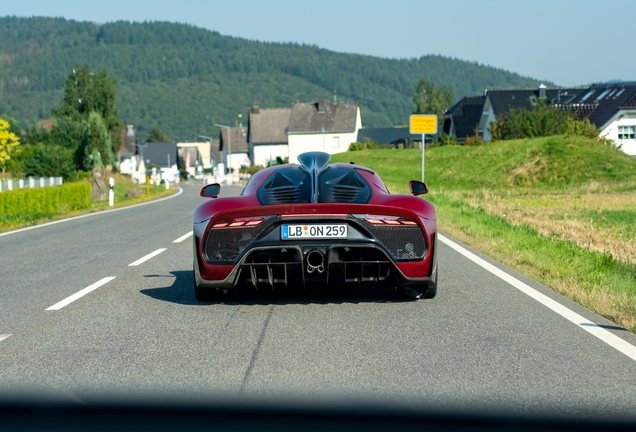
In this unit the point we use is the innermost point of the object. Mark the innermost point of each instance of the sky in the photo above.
(567, 42)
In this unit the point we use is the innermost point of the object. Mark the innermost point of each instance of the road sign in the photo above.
(423, 124)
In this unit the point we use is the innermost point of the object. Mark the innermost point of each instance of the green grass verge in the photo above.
(533, 174)
(122, 185)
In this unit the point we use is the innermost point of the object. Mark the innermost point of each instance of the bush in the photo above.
(50, 161)
(444, 140)
(45, 201)
(542, 120)
(356, 146)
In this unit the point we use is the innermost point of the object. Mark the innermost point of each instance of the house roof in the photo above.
(386, 135)
(192, 151)
(215, 149)
(316, 117)
(269, 125)
(466, 115)
(237, 142)
(160, 153)
(503, 101)
(601, 102)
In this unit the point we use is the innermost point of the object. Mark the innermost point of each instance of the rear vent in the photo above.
(285, 186)
(343, 185)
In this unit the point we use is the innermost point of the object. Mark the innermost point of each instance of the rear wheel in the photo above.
(205, 294)
(431, 291)
(209, 294)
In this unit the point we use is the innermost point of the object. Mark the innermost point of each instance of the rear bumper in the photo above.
(317, 265)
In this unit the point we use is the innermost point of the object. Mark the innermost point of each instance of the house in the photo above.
(233, 148)
(203, 148)
(126, 154)
(462, 119)
(322, 126)
(162, 155)
(267, 134)
(393, 136)
(611, 108)
(189, 156)
(477, 113)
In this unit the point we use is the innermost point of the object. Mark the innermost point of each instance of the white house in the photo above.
(322, 126)
(267, 134)
(234, 148)
(610, 107)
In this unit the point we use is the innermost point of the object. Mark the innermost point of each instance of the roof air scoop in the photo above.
(314, 161)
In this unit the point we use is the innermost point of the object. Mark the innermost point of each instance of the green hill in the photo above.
(184, 79)
(548, 162)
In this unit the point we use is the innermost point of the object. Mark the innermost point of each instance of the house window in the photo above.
(336, 142)
(626, 132)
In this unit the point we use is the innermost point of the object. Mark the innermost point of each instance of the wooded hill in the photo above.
(184, 79)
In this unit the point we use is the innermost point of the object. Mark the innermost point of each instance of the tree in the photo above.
(9, 143)
(96, 148)
(156, 135)
(429, 99)
(87, 92)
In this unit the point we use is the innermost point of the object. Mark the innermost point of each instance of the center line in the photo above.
(4, 336)
(79, 294)
(183, 237)
(147, 257)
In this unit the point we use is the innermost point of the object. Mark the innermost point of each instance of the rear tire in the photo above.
(204, 294)
(209, 294)
(431, 291)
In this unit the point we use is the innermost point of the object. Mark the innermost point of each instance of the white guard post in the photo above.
(111, 192)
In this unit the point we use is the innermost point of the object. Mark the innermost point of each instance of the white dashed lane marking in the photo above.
(4, 336)
(80, 294)
(183, 237)
(147, 257)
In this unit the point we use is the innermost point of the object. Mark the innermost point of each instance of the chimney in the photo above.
(255, 109)
(542, 88)
(321, 105)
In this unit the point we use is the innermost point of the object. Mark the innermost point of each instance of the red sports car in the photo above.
(315, 225)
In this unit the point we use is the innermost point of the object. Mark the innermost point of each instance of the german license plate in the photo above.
(293, 232)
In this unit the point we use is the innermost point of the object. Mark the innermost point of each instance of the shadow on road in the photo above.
(182, 292)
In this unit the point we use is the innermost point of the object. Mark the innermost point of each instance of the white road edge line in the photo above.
(147, 257)
(80, 294)
(612, 340)
(183, 237)
(179, 192)
(4, 336)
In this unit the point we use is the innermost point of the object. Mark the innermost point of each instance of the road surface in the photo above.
(482, 343)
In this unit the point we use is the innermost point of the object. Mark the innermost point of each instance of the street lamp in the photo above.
(229, 147)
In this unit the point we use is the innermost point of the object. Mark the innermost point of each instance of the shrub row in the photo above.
(46, 201)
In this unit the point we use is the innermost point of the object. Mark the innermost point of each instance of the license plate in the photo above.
(292, 232)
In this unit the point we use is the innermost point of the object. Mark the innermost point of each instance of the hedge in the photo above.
(46, 201)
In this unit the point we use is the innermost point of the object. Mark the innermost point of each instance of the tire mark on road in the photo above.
(248, 372)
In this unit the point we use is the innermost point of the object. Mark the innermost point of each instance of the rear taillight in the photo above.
(386, 220)
(239, 222)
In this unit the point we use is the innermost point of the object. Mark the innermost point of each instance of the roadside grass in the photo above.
(123, 184)
(561, 210)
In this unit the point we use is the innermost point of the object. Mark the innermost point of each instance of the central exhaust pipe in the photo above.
(315, 261)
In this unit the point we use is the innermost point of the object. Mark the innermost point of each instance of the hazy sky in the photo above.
(568, 42)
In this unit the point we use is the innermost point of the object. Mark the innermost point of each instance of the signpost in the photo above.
(423, 124)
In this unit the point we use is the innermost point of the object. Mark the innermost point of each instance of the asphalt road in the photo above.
(480, 344)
